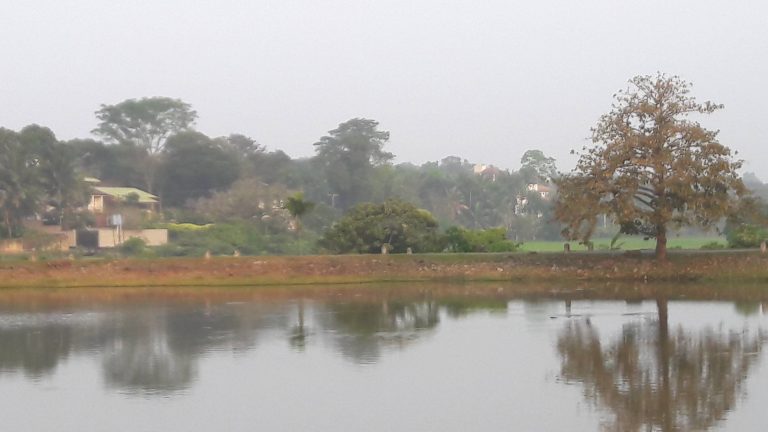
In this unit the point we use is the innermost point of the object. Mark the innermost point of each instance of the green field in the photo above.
(624, 243)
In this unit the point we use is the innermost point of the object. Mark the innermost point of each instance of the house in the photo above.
(107, 204)
(488, 172)
(544, 191)
(118, 212)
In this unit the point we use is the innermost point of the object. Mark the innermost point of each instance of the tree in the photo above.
(195, 166)
(20, 188)
(349, 154)
(651, 167)
(297, 206)
(537, 167)
(395, 224)
(245, 149)
(145, 123)
(243, 146)
(246, 200)
(56, 170)
(113, 164)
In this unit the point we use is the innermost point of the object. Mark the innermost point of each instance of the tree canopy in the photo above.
(537, 167)
(348, 155)
(651, 166)
(19, 183)
(368, 227)
(145, 122)
(195, 166)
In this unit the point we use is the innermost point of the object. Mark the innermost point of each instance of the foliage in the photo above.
(713, 246)
(133, 246)
(459, 239)
(56, 171)
(145, 122)
(297, 206)
(145, 125)
(247, 238)
(745, 227)
(537, 167)
(746, 236)
(185, 227)
(246, 199)
(348, 156)
(395, 224)
(651, 168)
(20, 187)
(195, 166)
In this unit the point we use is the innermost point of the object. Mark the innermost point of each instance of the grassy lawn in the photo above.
(625, 243)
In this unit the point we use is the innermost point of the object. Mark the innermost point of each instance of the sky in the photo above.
(485, 80)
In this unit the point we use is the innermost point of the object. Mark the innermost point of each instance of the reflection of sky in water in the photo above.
(303, 365)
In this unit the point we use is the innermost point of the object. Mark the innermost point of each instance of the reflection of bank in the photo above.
(651, 378)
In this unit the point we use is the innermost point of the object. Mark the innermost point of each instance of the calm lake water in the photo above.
(356, 364)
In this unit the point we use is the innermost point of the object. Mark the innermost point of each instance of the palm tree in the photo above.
(297, 206)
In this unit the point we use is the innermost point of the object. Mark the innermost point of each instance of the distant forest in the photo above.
(243, 186)
(151, 144)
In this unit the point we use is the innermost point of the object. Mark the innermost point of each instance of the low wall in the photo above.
(109, 238)
(54, 242)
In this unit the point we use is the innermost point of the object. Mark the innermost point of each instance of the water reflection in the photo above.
(361, 331)
(155, 348)
(651, 378)
(34, 350)
(649, 375)
(145, 349)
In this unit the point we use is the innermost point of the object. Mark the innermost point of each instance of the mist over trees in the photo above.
(649, 164)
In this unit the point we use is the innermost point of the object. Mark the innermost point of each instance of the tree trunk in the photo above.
(665, 392)
(8, 223)
(661, 244)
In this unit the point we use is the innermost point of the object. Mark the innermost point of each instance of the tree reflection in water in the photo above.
(156, 350)
(361, 330)
(649, 378)
(35, 350)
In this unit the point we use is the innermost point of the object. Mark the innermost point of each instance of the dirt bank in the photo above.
(256, 271)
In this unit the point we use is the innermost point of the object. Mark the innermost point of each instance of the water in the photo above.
(381, 363)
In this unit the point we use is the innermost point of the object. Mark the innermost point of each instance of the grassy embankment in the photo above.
(626, 243)
(574, 268)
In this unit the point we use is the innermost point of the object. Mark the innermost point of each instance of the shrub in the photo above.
(746, 236)
(133, 246)
(366, 227)
(490, 240)
(226, 238)
(713, 246)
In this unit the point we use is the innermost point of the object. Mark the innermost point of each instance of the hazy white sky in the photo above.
(484, 80)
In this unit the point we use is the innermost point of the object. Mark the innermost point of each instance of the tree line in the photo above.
(152, 144)
(650, 170)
